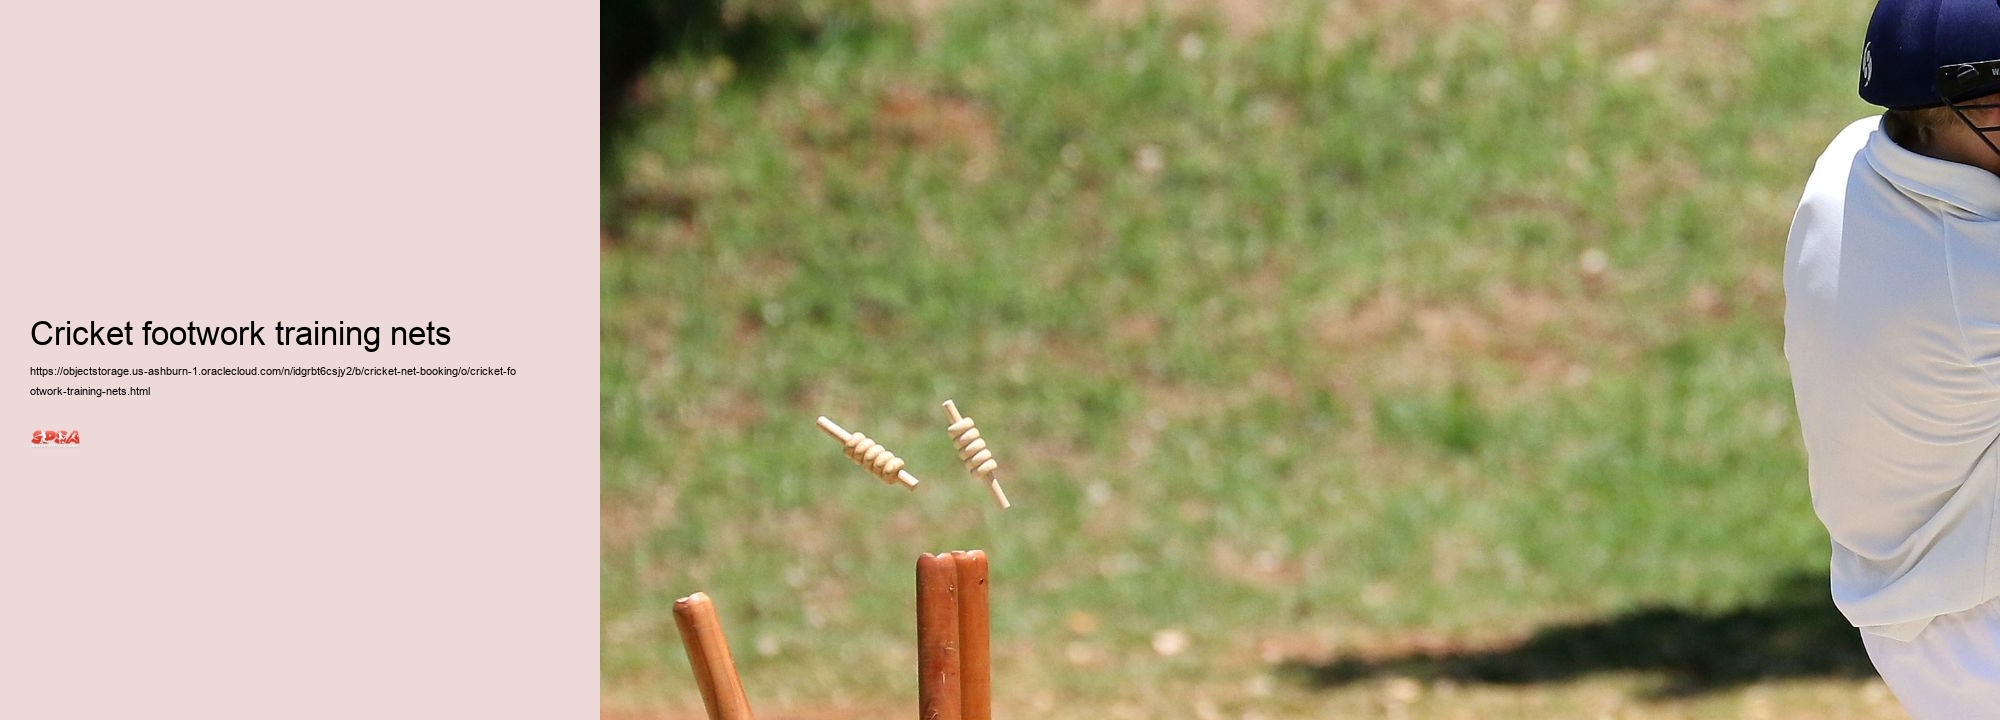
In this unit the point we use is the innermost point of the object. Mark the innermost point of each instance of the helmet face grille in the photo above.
(1983, 131)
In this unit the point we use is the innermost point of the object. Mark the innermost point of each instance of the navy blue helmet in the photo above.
(1924, 53)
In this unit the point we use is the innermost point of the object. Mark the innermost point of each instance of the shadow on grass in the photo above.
(634, 35)
(1796, 635)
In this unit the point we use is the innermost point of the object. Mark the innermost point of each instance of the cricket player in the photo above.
(1892, 329)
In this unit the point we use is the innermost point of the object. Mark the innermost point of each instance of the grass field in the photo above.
(1359, 359)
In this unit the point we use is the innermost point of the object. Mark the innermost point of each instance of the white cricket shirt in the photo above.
(1892, 329)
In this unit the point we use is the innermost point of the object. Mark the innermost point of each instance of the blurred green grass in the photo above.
(1293, 326)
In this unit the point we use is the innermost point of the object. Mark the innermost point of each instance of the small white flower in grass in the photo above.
(1593, 263)
(1404, 691)
(1192, 47)
(1170, 642)
(1150, 160)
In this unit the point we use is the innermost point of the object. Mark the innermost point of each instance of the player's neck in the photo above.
(1963, 146)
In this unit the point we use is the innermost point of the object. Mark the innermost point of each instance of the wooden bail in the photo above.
(974, 637)
(973, 452)
(708, 651)
(938, 657)
(870, 455)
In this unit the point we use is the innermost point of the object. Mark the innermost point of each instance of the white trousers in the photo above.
(1950, 671)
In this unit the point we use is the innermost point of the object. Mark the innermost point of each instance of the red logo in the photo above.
(56, 437)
